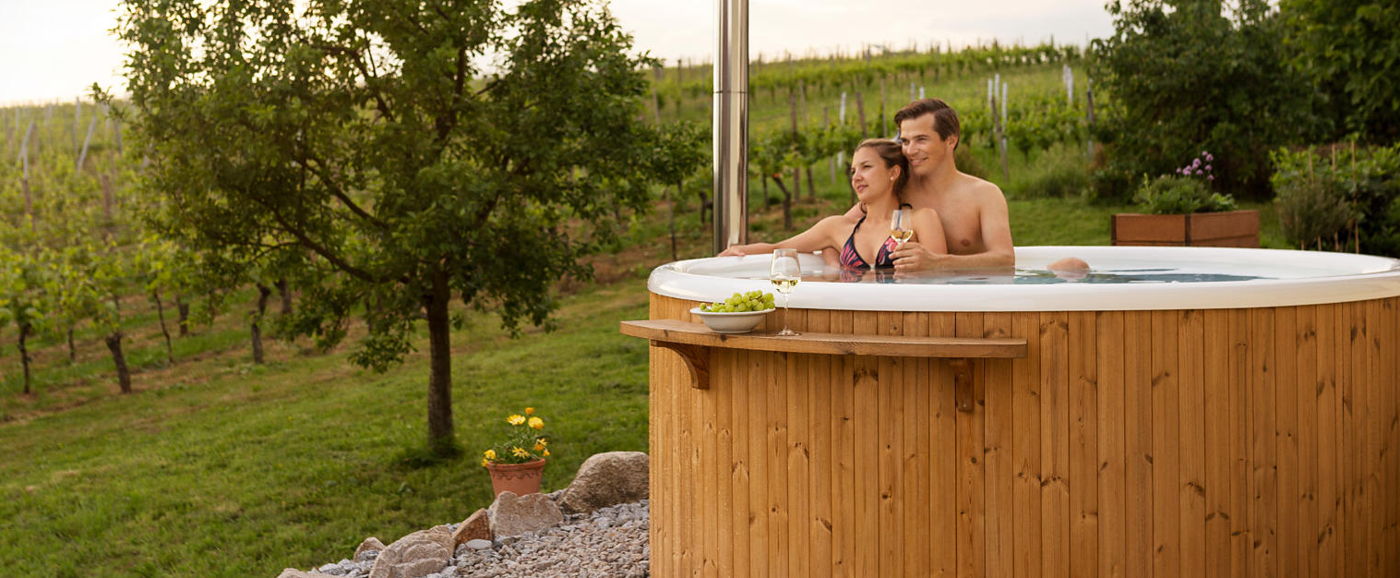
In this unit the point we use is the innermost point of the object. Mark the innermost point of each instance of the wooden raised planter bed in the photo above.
(1228, 229)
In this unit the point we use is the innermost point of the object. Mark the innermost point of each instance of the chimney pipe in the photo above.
(731, 124)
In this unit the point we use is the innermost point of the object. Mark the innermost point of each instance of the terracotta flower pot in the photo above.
(519, 479)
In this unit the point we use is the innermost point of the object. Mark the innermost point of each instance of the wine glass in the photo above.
(785, 273)
(901, 227)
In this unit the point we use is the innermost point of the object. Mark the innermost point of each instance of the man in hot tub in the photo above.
(973, 211)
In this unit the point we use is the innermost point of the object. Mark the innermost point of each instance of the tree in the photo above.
(1189, 75)
(1351, 53)
(420, 151)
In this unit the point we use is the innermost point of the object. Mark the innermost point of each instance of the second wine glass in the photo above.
(785, 273)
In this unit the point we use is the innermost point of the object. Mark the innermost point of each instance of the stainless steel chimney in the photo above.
(731, 124)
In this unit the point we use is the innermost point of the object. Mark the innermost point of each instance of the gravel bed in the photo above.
(610, 542)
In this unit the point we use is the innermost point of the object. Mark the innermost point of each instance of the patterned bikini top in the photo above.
(851, 259)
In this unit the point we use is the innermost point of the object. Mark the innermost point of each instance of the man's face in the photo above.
(922, 145)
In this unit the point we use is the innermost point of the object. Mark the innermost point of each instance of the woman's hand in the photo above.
(734, 251)
(914, 257)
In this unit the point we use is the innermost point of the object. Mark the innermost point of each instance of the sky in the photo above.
(53, 50)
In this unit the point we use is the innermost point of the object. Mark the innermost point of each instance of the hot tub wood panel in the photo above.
(1230, 442)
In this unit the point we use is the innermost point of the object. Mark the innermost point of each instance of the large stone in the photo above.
(415, 555)
(513, 515)
(607, 479)
(371, 544)
(475, 527)
(294, 573)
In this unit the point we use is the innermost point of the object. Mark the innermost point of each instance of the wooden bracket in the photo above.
(963, 385)
(697, 358)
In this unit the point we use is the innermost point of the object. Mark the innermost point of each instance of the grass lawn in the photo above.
(217, 467)
(294, 462)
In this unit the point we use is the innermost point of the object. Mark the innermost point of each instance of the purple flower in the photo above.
(1210, 178)
(1209, 158)
(1207, 167)
(1198, 171)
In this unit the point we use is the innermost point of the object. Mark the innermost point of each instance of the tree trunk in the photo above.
(787, 203)
(182, 310)
(24, 353)
(72, 349)
(264, 293)
(811, 185)
(160, 314)
(114, 344)
(440, 438)
(285, 293)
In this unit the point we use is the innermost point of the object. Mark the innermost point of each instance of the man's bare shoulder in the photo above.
(980, 190)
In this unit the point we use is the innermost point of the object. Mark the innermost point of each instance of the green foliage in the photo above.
(368, 139)
(1349, 52)
(1336, 194)
(1189, 74)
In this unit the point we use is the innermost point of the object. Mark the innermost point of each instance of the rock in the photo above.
(475, 527)
(371, 544)
(607, 479)
(415, 555)
(513, 515)
(478, 544)
(294, 573)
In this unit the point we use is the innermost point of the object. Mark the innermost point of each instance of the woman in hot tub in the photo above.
(879, 172)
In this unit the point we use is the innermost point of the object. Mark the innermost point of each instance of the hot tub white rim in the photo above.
(1380, 279)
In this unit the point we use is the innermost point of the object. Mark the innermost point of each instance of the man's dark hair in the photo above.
(945, 119)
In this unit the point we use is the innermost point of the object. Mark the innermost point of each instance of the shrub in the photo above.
(1175, 194)
(1347, 194)
(1313, 210)
(1060, 172)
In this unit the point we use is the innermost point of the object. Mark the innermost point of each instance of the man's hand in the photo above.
(914, 257)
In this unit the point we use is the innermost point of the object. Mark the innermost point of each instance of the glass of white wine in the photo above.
(901, 226)
(785, 273)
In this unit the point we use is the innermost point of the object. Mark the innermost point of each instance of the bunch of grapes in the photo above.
(741, 302)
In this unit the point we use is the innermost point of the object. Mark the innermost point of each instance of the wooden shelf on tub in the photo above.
(693, 340)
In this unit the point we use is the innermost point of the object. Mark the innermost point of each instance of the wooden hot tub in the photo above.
(1101, 434)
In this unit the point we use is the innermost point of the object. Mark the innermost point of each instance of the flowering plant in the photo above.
(1186, 190)
(526, 442)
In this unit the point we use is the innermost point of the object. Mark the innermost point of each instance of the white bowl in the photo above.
(740, 322)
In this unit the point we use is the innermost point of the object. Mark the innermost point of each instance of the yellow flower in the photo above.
(545, 453)
(490, 454)
(539, 446)
(520, 452)
(529, 411)
(536, 423)
(515, 419)
(542, 441)
(485, 462)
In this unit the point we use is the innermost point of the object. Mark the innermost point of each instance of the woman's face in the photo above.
(870, 178)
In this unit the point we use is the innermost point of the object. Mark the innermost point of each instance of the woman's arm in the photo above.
(928, 229)
(818, 237)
